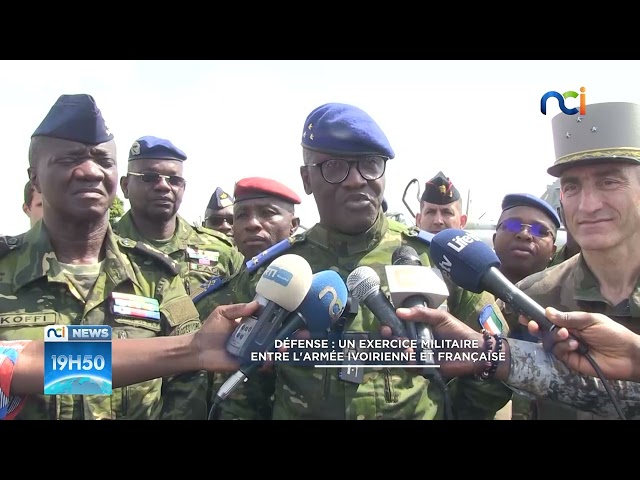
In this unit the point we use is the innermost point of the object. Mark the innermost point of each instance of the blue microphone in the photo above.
(473, 265)
(323, 304)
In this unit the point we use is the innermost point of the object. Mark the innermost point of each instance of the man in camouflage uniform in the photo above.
(154, 187)
(65, 270)
(218, 215)
(264, 218)
(345, 154)
(598, 162)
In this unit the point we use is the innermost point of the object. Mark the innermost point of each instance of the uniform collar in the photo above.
(347, 245)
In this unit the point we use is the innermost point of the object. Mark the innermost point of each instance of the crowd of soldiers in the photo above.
(65, 269)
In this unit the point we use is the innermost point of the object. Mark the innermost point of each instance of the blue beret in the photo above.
(76, 118)
(219, 200)
(342, 129)
(527, 200)
(156, 148)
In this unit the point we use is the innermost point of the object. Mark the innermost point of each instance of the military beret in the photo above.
(341, 129)
(440, 190)
(76, 118)
(385, 205)
(156, 148)
(258, 187)
(527, 200)
(219, 200)
(608, 132)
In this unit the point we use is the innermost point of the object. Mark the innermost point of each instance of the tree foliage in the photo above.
(116, 211)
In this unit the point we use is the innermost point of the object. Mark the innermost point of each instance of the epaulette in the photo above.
(420, 235)
(213, 233)
(10, 242)
(147, 250)
(210, 286)
(274, 251)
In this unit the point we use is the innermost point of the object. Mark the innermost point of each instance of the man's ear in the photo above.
(33, 177)
(418, 218)
(553, 251)
(124, 185)
(463, 221)
(25, 209)
(306, 181)
(295, 223)
(493, 239)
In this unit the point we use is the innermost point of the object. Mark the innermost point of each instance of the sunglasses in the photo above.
(516, 226)
(216, 220)
(336, 170)
(152, 177)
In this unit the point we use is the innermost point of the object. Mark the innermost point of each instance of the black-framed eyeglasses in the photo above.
(153, 177)
(536, 229)
(336, 170)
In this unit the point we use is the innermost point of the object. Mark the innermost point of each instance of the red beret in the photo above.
(258, 187)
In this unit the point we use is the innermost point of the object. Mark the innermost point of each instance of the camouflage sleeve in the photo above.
(537, 372)
(184, 396)
(236, 261)
(471, 398)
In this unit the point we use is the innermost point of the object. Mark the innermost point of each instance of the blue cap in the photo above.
(528, 200)
(76, 118)
(342, 129)
(156, 148)
(219, 200)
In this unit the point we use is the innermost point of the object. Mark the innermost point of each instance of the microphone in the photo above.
(280, 291)
(411, 284)
(323, 304)
(364, 285)
(473, 265)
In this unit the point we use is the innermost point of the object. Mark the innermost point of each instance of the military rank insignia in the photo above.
(256, 262)
(490, 321)
(134, 306)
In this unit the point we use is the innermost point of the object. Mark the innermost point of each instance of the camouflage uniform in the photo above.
(390, 393)
(202, 253)
(35, 292)
(570, 286)
(541, 374)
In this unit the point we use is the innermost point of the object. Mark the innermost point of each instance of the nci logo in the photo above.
(562, 97)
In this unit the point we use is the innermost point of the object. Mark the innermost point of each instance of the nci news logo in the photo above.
(77, 360)
(562, 97)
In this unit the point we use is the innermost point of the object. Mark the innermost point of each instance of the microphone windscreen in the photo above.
(362, 282)
(462, 257)
(286, 281)
(405, 255)
(325, 301)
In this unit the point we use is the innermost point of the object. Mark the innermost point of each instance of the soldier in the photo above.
(67, 269)
(264, 219)
(218, 215)
(597, 161)
(524, 242)
(440, 206)
(345, 154)
(32, 206)
(154, 187)
(525, 236)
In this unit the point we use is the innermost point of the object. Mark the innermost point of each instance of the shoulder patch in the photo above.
(147, 250)
(210, 286)
(274, 251)
(10, 242)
